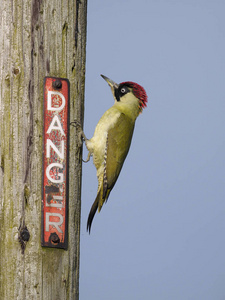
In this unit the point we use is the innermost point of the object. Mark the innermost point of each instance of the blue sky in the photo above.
(161, 233)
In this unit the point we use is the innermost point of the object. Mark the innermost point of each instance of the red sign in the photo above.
(55, 163)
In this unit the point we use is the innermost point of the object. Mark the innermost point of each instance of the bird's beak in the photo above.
(110, 82)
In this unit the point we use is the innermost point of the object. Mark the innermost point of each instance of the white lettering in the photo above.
(57, 165)
(50, 144)
(49, 106)
(58, 203)
(58, 125)
(55, 224)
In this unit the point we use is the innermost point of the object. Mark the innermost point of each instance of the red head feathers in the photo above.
(139, 92)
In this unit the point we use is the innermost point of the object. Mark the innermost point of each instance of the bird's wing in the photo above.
(118, 144)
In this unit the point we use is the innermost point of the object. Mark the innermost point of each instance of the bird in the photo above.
(112, 137)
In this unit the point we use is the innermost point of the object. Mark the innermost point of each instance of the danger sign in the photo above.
(55, 163)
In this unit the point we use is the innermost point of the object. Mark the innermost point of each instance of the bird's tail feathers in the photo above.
(99, 201)
(93, 210)
(104, 197)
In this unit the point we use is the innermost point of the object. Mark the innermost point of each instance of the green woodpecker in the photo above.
(112, 138)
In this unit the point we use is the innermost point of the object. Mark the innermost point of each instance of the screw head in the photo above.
(57, 84)
(54, 238)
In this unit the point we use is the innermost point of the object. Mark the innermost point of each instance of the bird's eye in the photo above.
(123, 90)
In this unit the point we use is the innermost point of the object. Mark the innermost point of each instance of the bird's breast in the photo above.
(97, 144)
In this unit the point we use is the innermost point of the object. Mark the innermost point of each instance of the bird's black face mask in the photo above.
(121, 91)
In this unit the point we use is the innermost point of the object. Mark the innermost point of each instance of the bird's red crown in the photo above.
(139, 92)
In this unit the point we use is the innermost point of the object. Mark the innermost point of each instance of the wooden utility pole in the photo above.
(38, 38)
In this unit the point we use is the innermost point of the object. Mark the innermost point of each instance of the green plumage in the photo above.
(117, 145)
(112, 138)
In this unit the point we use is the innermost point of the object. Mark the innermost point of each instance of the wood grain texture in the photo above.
(38, 38)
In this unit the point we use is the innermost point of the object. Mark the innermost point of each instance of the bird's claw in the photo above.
(88, 158)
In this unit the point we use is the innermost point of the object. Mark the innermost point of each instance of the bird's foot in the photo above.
(88, 158)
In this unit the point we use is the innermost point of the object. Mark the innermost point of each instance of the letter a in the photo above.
(58, 125)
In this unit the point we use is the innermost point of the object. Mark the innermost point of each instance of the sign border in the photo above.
(60, 245)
